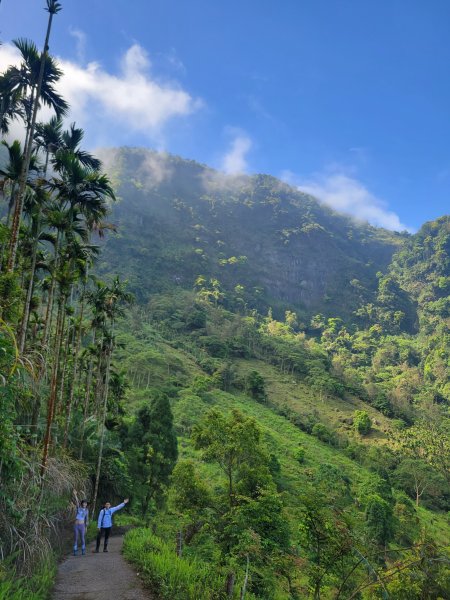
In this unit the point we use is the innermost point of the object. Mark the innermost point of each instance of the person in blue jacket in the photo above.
(104, 523)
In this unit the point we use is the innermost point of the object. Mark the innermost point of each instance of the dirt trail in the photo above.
(103, 576)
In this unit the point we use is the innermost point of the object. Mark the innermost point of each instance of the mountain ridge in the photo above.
(295, 252)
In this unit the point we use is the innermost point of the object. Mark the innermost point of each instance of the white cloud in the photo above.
(349, 195)
(80, 41)
(235, 160)
(155, 168)
(110, 105)
(133, 98)
(152, 167)
(9, 55)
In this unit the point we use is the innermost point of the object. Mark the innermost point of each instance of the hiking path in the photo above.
(103, 576)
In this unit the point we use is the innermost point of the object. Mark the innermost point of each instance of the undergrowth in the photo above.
(169, 576)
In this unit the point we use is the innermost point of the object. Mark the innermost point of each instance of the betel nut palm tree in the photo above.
(53, 7)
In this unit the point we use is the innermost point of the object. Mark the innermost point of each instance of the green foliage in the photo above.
(299, 454)
(188, 493)
(234, 442)
(321, 432)
(423, 573)
(379, 520)
(36, 587)
(152, 451)
(326, 541)
(188, 410)
(423, 483)
(362, 422)
(256, 386)
(10, 393)
(166, 574)
(10, 297)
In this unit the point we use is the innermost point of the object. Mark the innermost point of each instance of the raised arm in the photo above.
(119, 506)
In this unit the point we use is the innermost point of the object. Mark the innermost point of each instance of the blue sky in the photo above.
(348, 99)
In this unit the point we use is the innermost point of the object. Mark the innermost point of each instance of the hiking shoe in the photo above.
(105, 550)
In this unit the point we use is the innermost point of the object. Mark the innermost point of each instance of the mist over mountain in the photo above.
(179, 220)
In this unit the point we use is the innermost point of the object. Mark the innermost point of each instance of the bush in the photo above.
(321, 432)
(398, 424)
(362, 422)
(171, 577)
(299, 454)
(36, 587)
(256, 386)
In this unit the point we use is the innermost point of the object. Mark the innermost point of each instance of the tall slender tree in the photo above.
(110, 303)
(53, 7)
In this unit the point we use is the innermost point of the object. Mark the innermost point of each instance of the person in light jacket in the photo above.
(104, 523)
(80, 526)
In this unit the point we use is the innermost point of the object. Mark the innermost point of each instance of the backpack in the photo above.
(103, 516)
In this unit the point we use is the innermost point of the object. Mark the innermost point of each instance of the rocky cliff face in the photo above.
(178, 220)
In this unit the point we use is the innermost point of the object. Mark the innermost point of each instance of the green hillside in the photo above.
(309, 433)
(253, 296)
(273, 398)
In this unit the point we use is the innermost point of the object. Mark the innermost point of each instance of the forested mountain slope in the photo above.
(263, 242)
(332, 337)
(274, 399)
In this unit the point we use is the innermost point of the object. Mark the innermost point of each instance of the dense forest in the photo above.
(265, 378)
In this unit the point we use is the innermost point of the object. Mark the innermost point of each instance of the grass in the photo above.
(436, 526)
(288, 391)
(169, 576)
(37, 587)
(283, 438)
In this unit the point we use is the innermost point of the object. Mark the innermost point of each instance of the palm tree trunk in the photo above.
(53, 384)
(102, 436)
(35, 413)
(51, 294)
(99, 384)
(27, 156)
(8, 217)
(26, 311)
(59, 339)
(74, 374)
(87, 397)
(64, 369)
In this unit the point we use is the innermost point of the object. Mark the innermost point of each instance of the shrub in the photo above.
(256, 386)
(321, 432)
(299, 454)
(362, 422)
(36, 587)
(398, 424)
(171, 577)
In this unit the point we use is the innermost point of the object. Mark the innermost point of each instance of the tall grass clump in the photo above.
(169, 576)
(37, 587)
(33, 512)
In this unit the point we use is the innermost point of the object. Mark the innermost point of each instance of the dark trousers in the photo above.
(107, 531)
